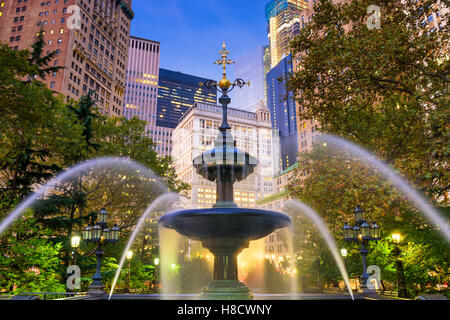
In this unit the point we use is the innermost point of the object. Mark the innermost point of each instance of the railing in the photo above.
(388, 293)
(53, 295)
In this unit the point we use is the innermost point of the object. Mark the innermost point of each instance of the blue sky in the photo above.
(191, 32)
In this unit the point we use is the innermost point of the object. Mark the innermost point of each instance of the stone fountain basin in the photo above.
(218, 223)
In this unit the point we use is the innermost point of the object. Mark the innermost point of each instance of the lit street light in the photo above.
(129, 257)
(362, 232)
(75, 243)
(101, 235)
(401, 283)
(344, 255)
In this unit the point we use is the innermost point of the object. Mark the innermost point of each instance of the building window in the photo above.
(61, 30)
(52, 85)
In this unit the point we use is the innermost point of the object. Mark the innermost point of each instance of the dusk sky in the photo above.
(191, 32)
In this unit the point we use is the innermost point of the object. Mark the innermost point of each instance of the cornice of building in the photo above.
(272, 198)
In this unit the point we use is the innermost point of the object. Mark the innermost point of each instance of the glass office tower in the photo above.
(250, 67)
(177, 92)
(282, 106)
(283, 24)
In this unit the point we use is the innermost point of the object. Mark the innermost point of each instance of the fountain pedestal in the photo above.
(226, 285)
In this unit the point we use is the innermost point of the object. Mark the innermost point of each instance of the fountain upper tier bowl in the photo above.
(218, 223)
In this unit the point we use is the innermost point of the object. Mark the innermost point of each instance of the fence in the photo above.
(53, 295)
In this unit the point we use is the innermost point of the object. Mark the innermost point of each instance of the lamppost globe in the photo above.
(396, 237)
(365, 230)
(129, 254)
(87, 233)
(96, 233)
(376, 231)
(359, 214)
(348, 233)
(103, 216)
(115, 233)
(75, 241)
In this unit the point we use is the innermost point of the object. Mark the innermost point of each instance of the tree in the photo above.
(35, 130)
(40, 62)
(335, 184)
(386, 89)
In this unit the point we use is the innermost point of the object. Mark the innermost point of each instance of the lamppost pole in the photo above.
(363, 252)
(97, 286)
(362, 233)
(344, 256)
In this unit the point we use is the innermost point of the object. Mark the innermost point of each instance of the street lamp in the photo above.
(129, 257)
(75, 243)
(344, 255)
(401, 283)
(362, 232)
(156, 277)
(100, 234)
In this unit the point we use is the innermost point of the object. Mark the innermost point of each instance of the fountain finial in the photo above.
(224, 84)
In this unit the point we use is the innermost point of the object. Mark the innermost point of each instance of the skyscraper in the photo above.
(250, 67)
(141, 95)
(283, 23)
(93, 53)
(282, 106)
(177, 92)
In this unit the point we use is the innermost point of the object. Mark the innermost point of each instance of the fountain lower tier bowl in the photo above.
(219, 223)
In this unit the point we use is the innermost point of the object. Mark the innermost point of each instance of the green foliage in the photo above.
(40, 62)
(35, 130)
(386, 89)
(29, 264)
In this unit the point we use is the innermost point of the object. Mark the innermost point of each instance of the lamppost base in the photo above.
(96, 289)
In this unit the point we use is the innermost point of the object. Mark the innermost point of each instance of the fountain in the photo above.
(225, 230)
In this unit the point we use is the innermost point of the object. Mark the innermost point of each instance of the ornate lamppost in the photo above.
(100, 234)
(362, 232)
(401, 283)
